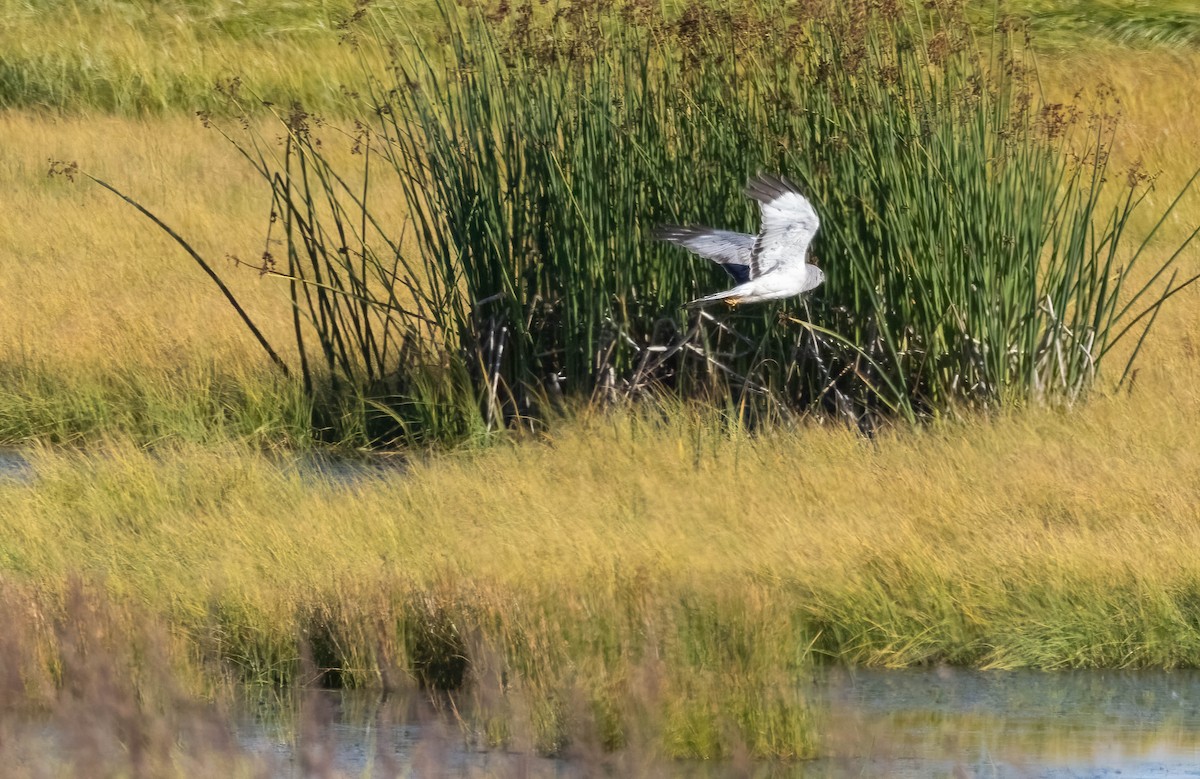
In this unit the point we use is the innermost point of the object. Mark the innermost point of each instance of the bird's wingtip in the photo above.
(765, 187)
(664, 232)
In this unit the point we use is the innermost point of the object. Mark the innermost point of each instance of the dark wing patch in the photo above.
(740, 273)
(730, 250)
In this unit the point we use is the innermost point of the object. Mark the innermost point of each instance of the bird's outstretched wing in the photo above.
(789, 223)
(730, 250)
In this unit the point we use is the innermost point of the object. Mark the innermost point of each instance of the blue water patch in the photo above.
(955, 722)
(13, 465)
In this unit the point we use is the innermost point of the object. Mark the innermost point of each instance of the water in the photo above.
(912, 723)
(949, 722)
(13, 465)
(895, 724)
(341, 471)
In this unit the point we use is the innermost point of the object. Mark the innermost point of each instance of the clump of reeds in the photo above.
(970, 252)
(974, 251)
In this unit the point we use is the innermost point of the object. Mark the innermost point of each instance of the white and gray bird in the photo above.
(768, 266)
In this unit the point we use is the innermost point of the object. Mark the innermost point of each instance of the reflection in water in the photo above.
(929, 723)
(327, 733)
(954, 722)
(916, 723)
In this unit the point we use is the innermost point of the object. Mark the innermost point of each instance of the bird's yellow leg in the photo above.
(732, 303)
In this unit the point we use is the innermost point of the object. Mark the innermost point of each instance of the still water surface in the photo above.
(949, 722)
(913, 723)
(13, 465)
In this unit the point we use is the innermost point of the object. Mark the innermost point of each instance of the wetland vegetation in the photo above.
(650, 579)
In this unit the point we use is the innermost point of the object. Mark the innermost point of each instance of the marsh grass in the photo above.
(104, 297)
(1166, 23)
(596, 619)
(676, 673)
(110, 311)
(136, 59)
(97, 686)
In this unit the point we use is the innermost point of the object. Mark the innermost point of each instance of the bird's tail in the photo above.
(730, 295)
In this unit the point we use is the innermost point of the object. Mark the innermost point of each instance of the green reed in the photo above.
(971, 254)
(974, 249)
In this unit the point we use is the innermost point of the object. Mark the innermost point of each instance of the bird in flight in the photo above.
(767, 266)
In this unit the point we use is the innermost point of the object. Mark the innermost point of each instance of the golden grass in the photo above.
(96, 277)
(97, 281)
(1150, 96)
(634, 576)
(684, 499)
(139, 58)
(1148, 91)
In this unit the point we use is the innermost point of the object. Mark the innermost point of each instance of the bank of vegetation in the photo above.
(674, 592)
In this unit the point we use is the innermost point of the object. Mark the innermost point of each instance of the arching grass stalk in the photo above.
(57, 167)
